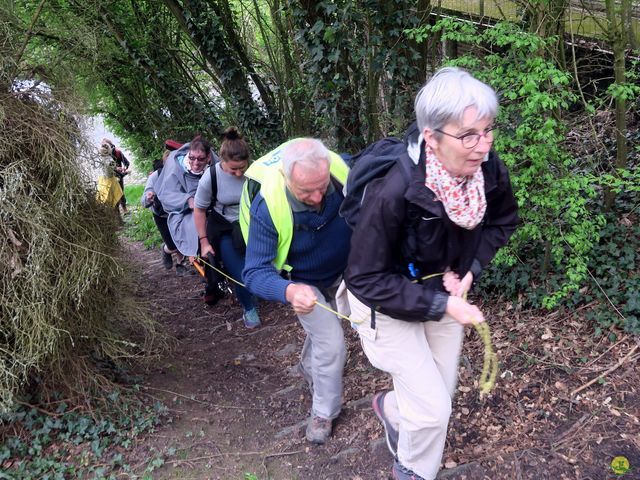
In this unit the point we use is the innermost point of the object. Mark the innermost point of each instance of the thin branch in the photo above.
(603, 353)
(201, 401)
(606, 296)
(599, 377)
(235, 454)
(28, 37)
(594, 132)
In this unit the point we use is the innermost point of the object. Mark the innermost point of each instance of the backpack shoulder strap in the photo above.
(214, 185)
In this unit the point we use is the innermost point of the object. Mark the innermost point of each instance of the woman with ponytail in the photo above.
(216, 213)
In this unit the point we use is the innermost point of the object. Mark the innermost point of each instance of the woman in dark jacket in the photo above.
(453, 214)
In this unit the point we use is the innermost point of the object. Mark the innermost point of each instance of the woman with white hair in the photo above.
(109, 190)
(451, 216)
(121, 167)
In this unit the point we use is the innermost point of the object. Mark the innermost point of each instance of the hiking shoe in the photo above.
(213, 294)
(167, 259)
(400, 472)
(180, 269)
(391, 434)
(251, 319)
(318, 429)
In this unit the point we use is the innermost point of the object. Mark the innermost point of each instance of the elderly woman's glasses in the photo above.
(198, 159)
(470, 140)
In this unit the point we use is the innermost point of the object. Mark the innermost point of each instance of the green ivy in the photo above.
(68, 444)
(610, 291)
(358, 53)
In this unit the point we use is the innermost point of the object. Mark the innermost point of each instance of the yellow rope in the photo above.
(200, 259)
(427, 277)
(339, 315)
(490, 361)
(490, 364)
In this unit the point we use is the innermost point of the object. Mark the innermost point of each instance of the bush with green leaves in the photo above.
(609, 296)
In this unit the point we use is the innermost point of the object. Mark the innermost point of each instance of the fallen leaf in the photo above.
(560, 386)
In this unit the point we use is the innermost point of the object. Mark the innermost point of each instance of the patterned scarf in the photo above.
(462, 197)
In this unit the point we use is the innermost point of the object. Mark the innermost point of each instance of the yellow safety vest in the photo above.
(267, 172)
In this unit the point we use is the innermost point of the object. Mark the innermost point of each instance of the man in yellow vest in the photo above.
(297, 249)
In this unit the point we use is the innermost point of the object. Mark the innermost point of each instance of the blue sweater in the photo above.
(318, 253)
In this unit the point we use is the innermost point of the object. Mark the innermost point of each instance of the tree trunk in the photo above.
(424, 14)
(371, 101)
(450, 48)
(293, 95)
(348, 127)
(618, 40)
(210, 36)
(627, 12)
(237, 46)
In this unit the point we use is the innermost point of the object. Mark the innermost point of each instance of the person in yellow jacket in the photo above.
(109, 190)
(293, 230)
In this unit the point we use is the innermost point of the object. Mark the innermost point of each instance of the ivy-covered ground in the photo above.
(565, 405)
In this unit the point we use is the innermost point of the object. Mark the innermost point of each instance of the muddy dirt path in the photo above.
(236, 406)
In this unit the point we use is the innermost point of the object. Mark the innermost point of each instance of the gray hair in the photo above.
(309, 152)
(445, 97)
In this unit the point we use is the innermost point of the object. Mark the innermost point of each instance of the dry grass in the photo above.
(65, 302)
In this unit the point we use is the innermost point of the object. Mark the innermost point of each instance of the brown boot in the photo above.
(318, 429)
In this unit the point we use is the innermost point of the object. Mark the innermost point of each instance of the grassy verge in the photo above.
(133, 193)
(139, 224)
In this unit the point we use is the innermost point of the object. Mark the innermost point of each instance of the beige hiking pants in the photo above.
(422, 358)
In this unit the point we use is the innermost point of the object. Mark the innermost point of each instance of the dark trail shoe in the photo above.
(318, 430)
(167, 260)
(391, 434)
(400, 472)
(180, 269)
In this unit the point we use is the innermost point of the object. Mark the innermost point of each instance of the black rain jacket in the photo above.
(403, 223)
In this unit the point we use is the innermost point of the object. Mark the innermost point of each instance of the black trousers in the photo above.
(163, 228)
(123, 200)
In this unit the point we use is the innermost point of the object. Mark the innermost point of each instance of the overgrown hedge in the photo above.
(63, 289)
